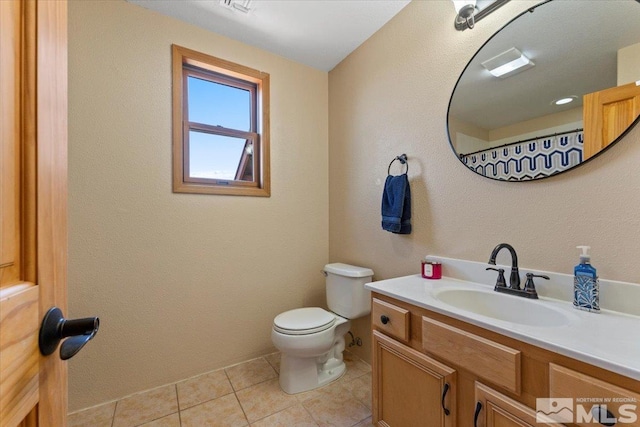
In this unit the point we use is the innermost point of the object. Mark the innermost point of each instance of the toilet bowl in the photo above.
(311, 339)
(311, 356)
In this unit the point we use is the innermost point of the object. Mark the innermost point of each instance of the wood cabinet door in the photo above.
(33, 207)
(619, 403)
(497, 410)
(410, 389)
(607, 114)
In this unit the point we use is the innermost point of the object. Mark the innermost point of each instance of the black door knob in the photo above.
(55, 328)
(384, 319)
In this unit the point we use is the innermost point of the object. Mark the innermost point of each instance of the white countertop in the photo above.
(609, 339)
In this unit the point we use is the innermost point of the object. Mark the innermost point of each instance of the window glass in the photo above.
(217, 156)
(217, 104)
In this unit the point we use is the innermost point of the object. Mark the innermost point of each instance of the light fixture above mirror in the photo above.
(468, 12)
(465, 11)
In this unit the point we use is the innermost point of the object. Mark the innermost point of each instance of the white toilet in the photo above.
(311, 340)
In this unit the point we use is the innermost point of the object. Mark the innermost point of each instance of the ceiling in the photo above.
(318, 33)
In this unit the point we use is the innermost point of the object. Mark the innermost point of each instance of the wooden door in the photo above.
(498, 410)
(33, 207)
(410, 389)
(607, 114)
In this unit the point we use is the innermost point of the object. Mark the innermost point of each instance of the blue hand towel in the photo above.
(396, 205)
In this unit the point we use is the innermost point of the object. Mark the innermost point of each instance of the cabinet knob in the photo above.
(384, 319)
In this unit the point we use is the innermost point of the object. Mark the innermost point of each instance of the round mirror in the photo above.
(550, 90)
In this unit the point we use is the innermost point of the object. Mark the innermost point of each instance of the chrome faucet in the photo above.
(514, 278)
(529, 290)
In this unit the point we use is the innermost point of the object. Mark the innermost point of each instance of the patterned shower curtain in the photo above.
(530, 159)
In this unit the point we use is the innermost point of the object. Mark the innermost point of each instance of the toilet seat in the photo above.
(304, 321)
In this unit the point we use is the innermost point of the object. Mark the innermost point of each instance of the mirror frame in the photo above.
(615, 141)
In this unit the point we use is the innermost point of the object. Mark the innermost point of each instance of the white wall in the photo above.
(390, 96)
(182, 283)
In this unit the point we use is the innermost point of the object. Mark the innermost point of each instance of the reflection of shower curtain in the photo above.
(528, 160)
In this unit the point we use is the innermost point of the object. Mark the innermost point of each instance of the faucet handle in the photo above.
(500, 283)
(530, 287)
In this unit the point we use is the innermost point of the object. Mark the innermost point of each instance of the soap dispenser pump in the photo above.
(586, 287)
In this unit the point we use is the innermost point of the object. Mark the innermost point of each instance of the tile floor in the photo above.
(247, 394)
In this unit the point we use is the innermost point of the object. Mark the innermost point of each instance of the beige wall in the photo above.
(466, 137)
(182, 283)
(188, 283)
(629, 64)
(558, 122)
(470, 138)
(390, 96)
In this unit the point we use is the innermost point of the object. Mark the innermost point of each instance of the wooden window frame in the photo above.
(186, 63)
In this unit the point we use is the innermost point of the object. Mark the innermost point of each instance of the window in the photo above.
(220, 126)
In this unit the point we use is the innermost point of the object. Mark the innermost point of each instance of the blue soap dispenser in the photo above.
(586, 288)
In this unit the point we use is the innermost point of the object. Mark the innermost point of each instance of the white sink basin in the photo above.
(508, 308)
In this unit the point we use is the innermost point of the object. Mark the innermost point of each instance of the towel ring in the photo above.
(403, 159)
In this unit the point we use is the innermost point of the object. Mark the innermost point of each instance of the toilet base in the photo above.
(298, 375)
(311, 361)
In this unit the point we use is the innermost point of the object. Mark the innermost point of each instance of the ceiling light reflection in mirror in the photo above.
(510, 127)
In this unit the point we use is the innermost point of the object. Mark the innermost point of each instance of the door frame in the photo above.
(45, 183)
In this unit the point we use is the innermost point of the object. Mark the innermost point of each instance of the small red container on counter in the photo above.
(431, 269)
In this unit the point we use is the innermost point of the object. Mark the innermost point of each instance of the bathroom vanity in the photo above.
(447, 353)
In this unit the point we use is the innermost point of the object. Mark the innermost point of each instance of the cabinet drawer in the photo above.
(489, 360)
(588, 392)
(390, 319)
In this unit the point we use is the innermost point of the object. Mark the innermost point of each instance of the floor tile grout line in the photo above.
(231, 392)
(175, 385)
(271, 364)
(156, 419)
(310, 414)
(235, 392)
(113, 418)
(247, 417)
(178, 397)
(242, 409)
(260, 382)
(358, 422)
(253, 385)
(179, 381)
(298, 402)
(236, 396)
(186, 408)
(267, 416)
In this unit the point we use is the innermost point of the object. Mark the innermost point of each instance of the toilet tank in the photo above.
(346, 295)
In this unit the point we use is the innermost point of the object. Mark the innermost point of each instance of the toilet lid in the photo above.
(302, 321)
